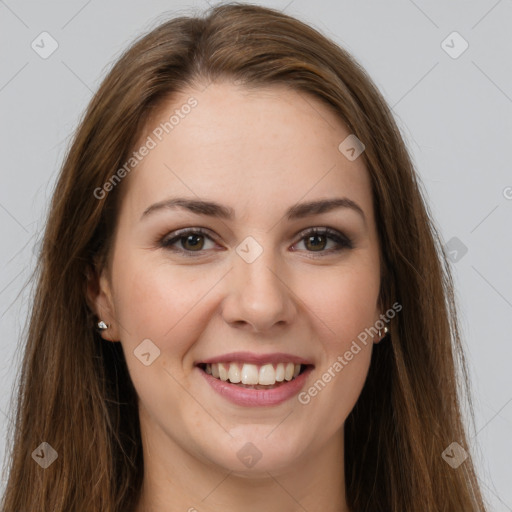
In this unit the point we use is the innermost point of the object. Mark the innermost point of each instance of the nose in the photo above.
(258, 295)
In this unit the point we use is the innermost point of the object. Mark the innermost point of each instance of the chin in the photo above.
(254, 456)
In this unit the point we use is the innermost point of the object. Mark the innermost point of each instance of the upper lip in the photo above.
(251, 357)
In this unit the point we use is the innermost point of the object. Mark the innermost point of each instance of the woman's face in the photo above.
(254, 287)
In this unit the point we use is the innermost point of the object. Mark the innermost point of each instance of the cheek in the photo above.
(344, 306)
(344, 300)
(164, 304)
(329, 398)
(161, 302)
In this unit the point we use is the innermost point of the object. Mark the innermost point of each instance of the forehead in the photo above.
(257, 150)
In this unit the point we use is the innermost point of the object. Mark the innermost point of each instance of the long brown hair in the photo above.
(75, 391)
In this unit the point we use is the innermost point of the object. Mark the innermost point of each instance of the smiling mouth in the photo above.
(253, 376)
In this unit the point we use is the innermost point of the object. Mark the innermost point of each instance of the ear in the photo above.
(99, 300)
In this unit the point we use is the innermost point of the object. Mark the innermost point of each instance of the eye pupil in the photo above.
(192, 237)
(320, 245)
(194, 240)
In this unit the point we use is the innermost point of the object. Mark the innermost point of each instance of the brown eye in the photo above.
(192, 242)
(317, 242)
(317, 239)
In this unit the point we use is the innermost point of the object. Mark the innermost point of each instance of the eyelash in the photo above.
(342, 241)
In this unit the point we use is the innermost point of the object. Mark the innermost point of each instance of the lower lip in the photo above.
(257, 397)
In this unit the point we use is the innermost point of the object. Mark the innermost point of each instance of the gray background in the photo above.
(454, 113)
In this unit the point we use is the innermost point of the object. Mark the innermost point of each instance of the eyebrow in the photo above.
(217, 210)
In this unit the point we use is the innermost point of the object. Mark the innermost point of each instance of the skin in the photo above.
(258, 152)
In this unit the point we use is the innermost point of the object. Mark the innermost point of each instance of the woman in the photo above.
(242, 301)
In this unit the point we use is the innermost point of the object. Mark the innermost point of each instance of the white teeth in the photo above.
(234, 373)
(280, 372)
(267, 375)
(288, 371)
(223, 372)
(252, 374)
(249, 374)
